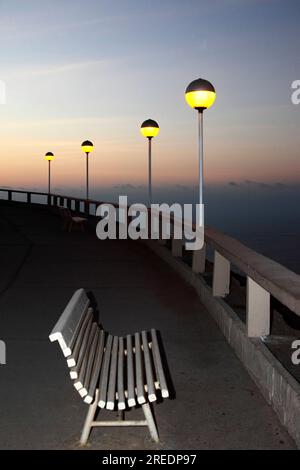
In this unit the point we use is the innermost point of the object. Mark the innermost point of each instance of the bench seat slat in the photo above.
(111, 395)
(91, 360)
(87, 360)
(104, 373)
(130, 373)
(96, 368)
(148, 368)
(158, 365)
(82, 351)
(121, 360)
(140, 391)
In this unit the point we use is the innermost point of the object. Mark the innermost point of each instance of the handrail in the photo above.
(278, 280)
(271, 276)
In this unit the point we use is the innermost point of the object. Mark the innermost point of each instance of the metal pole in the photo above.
(87, 175)
(200, 143)
(149, 173)
(49, 177)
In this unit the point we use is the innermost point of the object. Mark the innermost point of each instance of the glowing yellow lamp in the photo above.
(149, 128)
(49, 156)
(200, 94)
(87, 146)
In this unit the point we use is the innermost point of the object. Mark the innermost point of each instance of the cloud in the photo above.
(64, 121)
(22, 26)
(263, 184)
(257, 183)
(126, 186)
(37, 71)
(182, 187)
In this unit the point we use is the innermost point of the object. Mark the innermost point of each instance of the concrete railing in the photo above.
(265, 277)
(38, 197)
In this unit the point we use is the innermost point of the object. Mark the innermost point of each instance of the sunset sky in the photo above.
(94, 69)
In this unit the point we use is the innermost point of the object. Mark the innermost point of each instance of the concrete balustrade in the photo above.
(265, 277)
(258, 310)
(199, 258)
(221, 276)
(177, 247)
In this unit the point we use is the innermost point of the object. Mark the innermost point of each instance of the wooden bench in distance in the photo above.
(116, 373)
(70, 221)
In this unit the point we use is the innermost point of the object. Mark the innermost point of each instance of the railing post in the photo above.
(199, 256)
(177, 247)
(87, 208)
(162, 241)
(28, 198)
(258, 310)
(49, 200)
(69, 204)
(77, 206)
(221, 276)
(9, 195)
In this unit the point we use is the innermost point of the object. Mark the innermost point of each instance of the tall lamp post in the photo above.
(87, 147)
(200, 95)
(49, 156)
(149, 129)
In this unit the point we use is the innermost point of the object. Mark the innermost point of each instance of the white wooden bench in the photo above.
(116, 373)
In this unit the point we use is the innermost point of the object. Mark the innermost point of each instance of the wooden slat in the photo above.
(121, 359)
(88, 358)
(96, 368)
(139, 370)
(66, 325)
(91, 360)
(111, 395)
(158, 365)
(104, 373)
(72, 359)
(82, 351)
(148, 368)
(130, 373)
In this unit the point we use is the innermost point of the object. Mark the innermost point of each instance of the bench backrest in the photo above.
(65, 213)
(99, 359)
(69, 323)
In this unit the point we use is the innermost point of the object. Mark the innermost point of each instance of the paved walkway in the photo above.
(217, 405)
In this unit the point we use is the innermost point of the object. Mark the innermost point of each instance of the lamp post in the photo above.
(49, 156)
(200, 95)
(149, 129)
(87, 147)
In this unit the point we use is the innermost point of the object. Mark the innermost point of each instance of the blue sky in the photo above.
(97, 69)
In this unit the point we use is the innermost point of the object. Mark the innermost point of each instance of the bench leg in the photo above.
(88, 420)
(150, 421)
